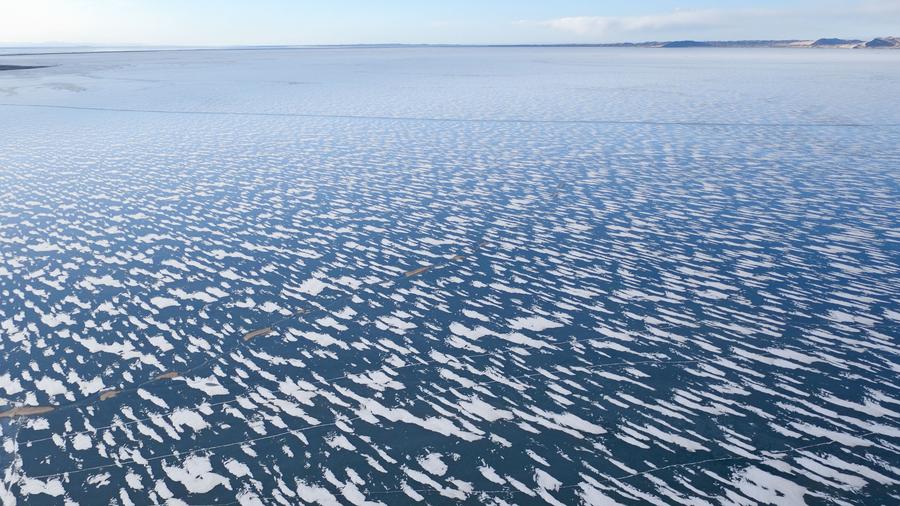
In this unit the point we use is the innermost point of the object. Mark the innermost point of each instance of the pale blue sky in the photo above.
(230, 22)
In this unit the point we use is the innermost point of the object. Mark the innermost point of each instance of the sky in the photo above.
(264, 22)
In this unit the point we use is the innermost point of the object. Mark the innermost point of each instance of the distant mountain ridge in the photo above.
(877, 43)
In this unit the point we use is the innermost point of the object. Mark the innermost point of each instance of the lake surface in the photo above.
(489, 275)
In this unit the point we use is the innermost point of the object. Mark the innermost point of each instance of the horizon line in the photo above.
(137, 47)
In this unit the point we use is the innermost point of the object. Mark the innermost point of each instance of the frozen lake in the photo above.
(491, 275)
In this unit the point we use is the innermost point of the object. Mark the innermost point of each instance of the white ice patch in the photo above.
(81, 442)
(163, 302)
(238, 469)
(209, 385)
(44, 247)
(312, 286)
(31, 486)
(55, 320)
(535, 323)
(196, 475)
(433, 464)
(51, 387)
(473, 334)
(192, 419)
(313, 494)
(767, 488)
(11, 386)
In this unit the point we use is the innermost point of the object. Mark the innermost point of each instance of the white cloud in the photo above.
(603, 26)
(808, 19)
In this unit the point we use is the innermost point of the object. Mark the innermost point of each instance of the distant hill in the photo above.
(884, 42)
(687, 43)
(836, 43)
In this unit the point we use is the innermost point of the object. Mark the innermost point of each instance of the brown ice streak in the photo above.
(109, 394)
(26, 411)
(258, 333)
(416, 272)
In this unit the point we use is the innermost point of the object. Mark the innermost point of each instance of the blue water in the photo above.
(499, 276)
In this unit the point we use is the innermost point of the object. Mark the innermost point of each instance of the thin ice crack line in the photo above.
(302, 429)
(189, 452)
(462, 120)
(284, 433)
(774, 455)
(462, 387)
(328, 381)
(244, 441)
(600, 366)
